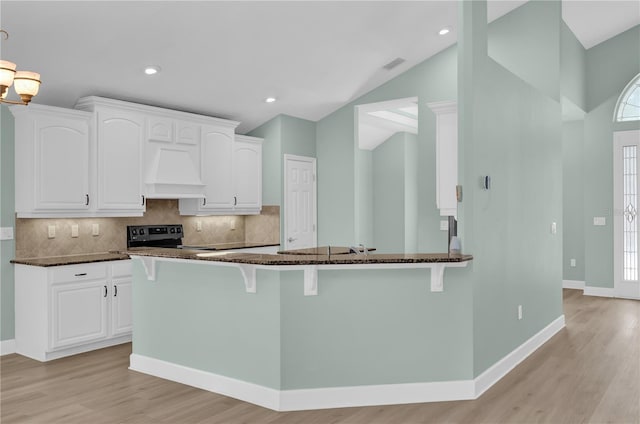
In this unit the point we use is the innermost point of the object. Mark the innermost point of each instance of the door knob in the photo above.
(291, 239)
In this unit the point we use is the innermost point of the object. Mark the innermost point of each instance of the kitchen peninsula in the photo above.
(292, 332)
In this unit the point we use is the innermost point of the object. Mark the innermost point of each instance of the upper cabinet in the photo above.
(108, 156)
(247, 173)
(446, 156)
(232, 172)
(52, 153)
(118, 144)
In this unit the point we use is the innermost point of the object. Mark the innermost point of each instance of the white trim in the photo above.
(501, 368)
(7, 347)
(238, 389)
(573, 284)
(341, 397)
(313, 161)
(599, 291)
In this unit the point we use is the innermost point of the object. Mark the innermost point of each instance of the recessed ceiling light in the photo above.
(151, 70)
(444, 31)
(270, 99)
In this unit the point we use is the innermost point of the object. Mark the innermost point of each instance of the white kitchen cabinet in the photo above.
(52, 156)
(64, 310)
(232, 172)
(247, 174)
(446, 156)
(119, 152)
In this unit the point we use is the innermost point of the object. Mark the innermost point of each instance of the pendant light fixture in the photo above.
(27, 83)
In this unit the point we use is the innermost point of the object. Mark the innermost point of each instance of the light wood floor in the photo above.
(589, 372)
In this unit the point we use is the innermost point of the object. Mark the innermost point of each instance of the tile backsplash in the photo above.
(32, 233)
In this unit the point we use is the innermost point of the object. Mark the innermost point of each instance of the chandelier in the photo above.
(26, 83)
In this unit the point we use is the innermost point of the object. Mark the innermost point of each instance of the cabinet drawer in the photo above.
(81, 272)
(121, 269)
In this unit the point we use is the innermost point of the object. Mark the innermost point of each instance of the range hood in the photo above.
(173, 174)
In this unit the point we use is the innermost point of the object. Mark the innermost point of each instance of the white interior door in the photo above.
(299, 202)
(626, 183)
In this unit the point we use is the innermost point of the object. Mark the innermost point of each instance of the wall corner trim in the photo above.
(7, 347)
(599, 291)
(573, 284)
(501, 368)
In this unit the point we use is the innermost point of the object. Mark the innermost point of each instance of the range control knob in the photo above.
(141, 231)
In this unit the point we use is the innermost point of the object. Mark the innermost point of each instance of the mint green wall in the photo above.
(573, 200)
(388, 178)
(519, 42)
(271, 160)
(411, 193)
(200, 316)
(342, 216)
(510, 130)
(364, 327)
(7, 208)
(573, 69)
(610, 67)
(282, 135)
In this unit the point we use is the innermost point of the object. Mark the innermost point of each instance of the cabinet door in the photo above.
(247, 172)
(121, 307)
(217, 168)
(78, 313)
(119, 136)
(61, 163)
(160, 129)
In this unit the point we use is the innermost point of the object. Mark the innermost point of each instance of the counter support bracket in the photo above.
(437, 277)
(311, 280)
(249, 275)
(149, 264)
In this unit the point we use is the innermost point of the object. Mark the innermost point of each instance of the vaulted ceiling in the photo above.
(224, 58)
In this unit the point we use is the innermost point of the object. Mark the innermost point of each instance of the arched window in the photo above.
(628, 108)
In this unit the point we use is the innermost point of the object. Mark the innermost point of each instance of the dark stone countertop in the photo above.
(71, 259)
(284, 259)
(322, 250)
(232, 246)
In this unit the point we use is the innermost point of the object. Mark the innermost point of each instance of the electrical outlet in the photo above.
(74, 230)
(232, 224)
(95, 229)
(573, 263)
(599, 220)
(51, 230)
(198, 225)
(444, 225)
(519, 312)
(6, 233)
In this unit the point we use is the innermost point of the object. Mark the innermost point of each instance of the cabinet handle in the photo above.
(105, 291)
(115, 291)
(204, 201)
(143, 200)
(87, 200)
(235, 200)
(81, 274)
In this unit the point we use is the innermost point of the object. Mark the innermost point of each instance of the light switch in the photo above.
(232, 224)
(444, 225)
(573, 263)
(198, 225)
(51, 231)
(74, 230)
(6, 233)
(554, 228)
(95, 229)
(599, 220)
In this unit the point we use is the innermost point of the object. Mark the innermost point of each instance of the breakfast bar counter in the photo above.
(291, 332)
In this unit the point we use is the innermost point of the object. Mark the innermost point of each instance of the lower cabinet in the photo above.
(69, 309)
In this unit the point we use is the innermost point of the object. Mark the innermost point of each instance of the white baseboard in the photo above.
(501, 368)
(599, 291)
(248, 392)
(7, 347)
(573, 284)
(340, 397)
